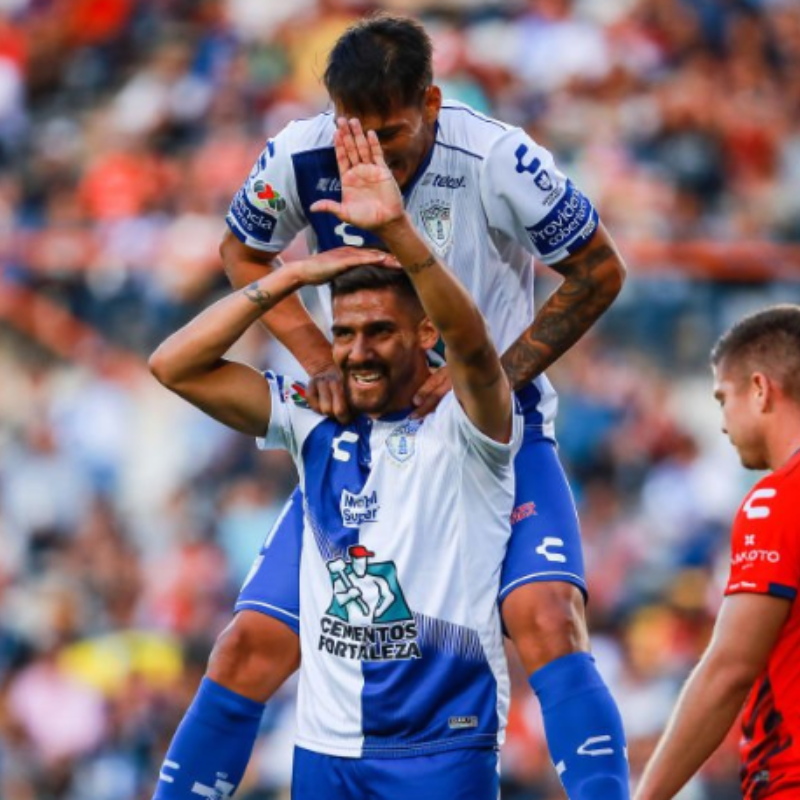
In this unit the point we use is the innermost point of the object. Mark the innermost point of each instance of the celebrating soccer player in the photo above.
(486, 199)
(403, 682)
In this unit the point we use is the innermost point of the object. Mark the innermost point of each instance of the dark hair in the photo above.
(371, 276)
(379, 64)
(766, 341)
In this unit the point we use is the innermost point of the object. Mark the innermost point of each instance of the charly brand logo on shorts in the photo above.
(267, 197)
(437, 221)
(401, 442)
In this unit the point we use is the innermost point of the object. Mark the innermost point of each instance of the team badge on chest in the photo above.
(401, 443)
(437, 221)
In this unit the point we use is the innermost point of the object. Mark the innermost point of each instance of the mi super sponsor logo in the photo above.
(358, 509)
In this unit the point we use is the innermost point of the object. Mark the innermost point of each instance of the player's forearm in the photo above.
(707, 708)
(199, 346)
(290, 323)
(592, 279)
(445, 300)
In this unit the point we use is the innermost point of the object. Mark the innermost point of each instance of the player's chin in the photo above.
(367, 398)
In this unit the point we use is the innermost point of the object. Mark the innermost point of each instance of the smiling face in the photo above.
(380, 340)
(406, 134)
(741, 398)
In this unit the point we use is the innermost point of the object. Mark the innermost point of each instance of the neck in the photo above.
(784, 443)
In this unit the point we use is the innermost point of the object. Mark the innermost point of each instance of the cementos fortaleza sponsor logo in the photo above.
(573, 218)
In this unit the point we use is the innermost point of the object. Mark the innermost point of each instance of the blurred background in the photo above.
(128, 521)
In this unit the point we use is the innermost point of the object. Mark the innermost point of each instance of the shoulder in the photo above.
(303, 135)
(464, 129)
(773, 498)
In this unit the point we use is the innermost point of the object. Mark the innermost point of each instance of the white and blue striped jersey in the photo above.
(405, 528)
(487, 198)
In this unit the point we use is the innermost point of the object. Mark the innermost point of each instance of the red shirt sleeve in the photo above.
(765, 542)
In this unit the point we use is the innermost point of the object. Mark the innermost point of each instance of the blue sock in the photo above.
(583, 728)
(210, 750)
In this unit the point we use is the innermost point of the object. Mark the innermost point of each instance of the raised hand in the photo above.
(370, 195)
(323, 267)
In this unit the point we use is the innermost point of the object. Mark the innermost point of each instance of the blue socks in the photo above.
(210, 750)
(583, 728)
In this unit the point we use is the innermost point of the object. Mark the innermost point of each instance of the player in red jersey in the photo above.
(754, 654)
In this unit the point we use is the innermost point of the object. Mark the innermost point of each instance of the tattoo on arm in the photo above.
(590, 285)
(261, 297)
(414, 269)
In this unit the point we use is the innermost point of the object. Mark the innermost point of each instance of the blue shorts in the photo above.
(454, 774)
(545, 542)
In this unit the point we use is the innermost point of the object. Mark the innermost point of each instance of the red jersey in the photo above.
(765, 559)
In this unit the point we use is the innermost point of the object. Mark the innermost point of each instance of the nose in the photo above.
(360, 349)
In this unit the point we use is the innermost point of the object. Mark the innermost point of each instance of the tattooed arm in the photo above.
(192, 361)
(593, 277)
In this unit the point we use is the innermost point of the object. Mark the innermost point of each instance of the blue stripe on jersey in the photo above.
(570, 224)
(475, 114)
(780, 590)
(336, 459)
(460, 150)
(440, 701)
(257, 223)
(315, 172)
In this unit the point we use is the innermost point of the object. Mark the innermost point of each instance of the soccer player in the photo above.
(753, 655)
(487, 199)
(403, 684)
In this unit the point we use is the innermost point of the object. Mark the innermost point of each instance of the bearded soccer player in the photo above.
(403, 682)
(753, 655)
(487, 199)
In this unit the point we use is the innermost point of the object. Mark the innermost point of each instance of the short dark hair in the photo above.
(767, 341)
(371, 276)
(379, 64)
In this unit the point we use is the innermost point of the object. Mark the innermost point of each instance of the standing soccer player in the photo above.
(754, 654)
(487, 199)
(403, 684)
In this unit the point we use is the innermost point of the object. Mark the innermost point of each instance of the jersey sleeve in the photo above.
(291, 419)
(266, 213)
(765, 543)
(529, 199)
(457, 426)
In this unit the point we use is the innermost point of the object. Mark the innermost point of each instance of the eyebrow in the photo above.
(388, 130)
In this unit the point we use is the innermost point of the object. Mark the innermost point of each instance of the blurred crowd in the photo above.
(128, 521)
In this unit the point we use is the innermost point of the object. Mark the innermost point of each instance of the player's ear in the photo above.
(432, 104)
(428, 335)
(763, 391)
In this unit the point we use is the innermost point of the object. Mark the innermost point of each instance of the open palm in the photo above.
(370, 196)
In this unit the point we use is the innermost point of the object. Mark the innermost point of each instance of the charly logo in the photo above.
(267, 197)
(368, 618)
(401, 443)
(438, 224)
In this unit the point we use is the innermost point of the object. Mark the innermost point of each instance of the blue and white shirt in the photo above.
(488, 198)
(405, 529)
